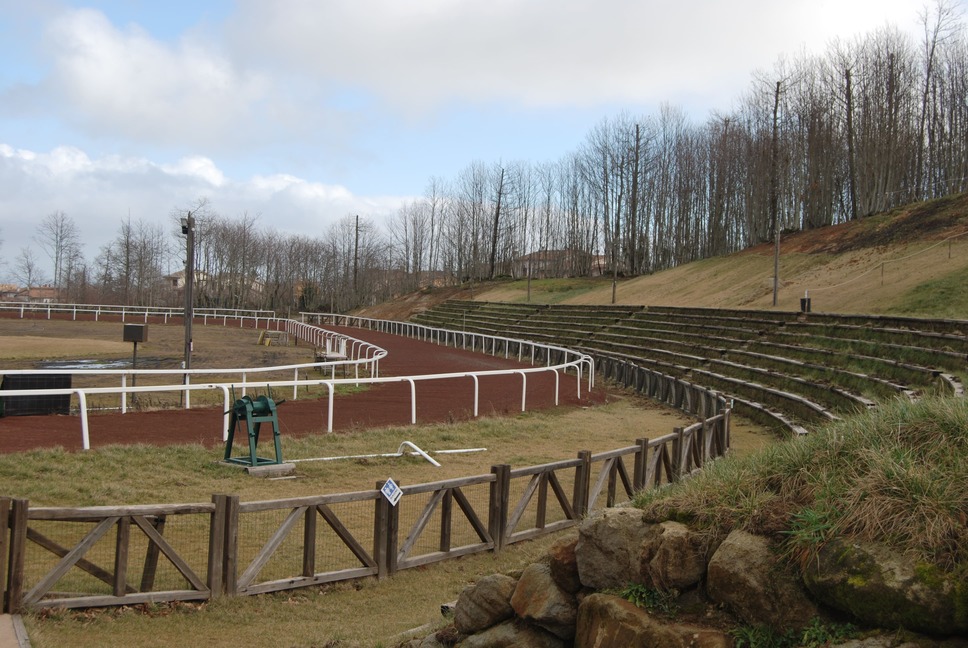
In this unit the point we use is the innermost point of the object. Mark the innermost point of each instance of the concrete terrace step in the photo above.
(795, 368)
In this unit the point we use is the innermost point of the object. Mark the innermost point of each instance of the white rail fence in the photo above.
(136, 313)
(557, 360)
(510, 348)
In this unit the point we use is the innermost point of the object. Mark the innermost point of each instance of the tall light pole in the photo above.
(188, 229)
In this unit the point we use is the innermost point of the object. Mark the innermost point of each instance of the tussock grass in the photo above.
(897, 475)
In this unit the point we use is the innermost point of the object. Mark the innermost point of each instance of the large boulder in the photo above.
(605, 621)
(564, 564)
(608, 547)
(882, 588)
(670, 557)
(512, 634)
(484, 604)
(745, 575)
(539, 600)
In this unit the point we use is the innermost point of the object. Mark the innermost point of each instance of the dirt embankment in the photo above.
(871, 265)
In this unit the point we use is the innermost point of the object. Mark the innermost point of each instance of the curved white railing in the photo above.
(526, 350)
(358, 352)
(134, 313)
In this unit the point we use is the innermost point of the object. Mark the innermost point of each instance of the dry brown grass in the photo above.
(333, 615)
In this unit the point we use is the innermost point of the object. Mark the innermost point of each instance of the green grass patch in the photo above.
(816, 635)
(896, 475)
(653, 600)
(547, 291)
(942, 297)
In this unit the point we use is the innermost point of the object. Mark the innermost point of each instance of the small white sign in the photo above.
(392, 492)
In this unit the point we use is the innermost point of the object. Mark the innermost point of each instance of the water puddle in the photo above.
(85, 364)
(93, 364)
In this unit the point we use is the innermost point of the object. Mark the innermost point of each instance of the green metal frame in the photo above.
(253, 413)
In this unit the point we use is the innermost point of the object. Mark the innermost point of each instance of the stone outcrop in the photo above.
(605, 620)
(538, 600)
(484, 604)
(670, 557)
(746, 576)
(884, 589)
(563, 562)
(607, 552)
(569, 599)
(513, 634)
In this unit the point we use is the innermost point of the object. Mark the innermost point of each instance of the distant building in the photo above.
(9, 292)
(547, 264)
(38, 295)
(176, 280)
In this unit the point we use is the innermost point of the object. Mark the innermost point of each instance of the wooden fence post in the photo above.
(677, 447)
(641, 457)
(121, 546)
(5, 504)
(310, 519)
(498, 505)
(18, 550)
(230, 557)
(381, 521)
(393, 533)
(216, 547)
(583, 475)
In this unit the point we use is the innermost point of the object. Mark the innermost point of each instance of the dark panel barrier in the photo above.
(34, 405)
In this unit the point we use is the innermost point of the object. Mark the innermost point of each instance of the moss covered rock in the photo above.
(882, 588)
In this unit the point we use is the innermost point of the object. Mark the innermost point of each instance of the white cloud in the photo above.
(197, 166)
(419, 55)
(99, 193)
(125, 83)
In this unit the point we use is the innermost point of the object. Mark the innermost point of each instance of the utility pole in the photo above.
(188, 229)
(356, 261)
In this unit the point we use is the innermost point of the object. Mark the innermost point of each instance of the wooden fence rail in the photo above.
(84, 557)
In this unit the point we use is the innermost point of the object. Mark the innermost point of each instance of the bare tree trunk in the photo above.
(497, 219)
(851, 155)
(774, 193)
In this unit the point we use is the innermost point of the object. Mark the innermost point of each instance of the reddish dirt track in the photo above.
(380, 405)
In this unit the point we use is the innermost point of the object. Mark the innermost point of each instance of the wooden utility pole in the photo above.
(188, 229)
(356, 260)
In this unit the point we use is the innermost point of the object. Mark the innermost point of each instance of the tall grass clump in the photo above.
(897, 475)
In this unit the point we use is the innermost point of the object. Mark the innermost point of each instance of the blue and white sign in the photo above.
(392, 492)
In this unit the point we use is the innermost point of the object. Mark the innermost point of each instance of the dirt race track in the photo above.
(380, 405)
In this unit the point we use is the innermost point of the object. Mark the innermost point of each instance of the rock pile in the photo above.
(570, 599)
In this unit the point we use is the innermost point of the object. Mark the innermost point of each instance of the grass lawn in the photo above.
(358, 613)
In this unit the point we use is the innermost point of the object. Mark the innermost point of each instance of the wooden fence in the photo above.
(681, 394)
(121, 555)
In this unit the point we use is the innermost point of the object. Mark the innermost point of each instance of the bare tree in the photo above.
(57, 235)
(26, 269)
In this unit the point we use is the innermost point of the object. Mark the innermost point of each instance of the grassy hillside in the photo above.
(909, 261)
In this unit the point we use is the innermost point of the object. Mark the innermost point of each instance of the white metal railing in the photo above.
(526, 350)
(135, 313)
(356, 353)
(359, 352)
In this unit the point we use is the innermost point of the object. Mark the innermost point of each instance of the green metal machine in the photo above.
(252, 413)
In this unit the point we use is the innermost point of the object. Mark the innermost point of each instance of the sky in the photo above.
(301, 112)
